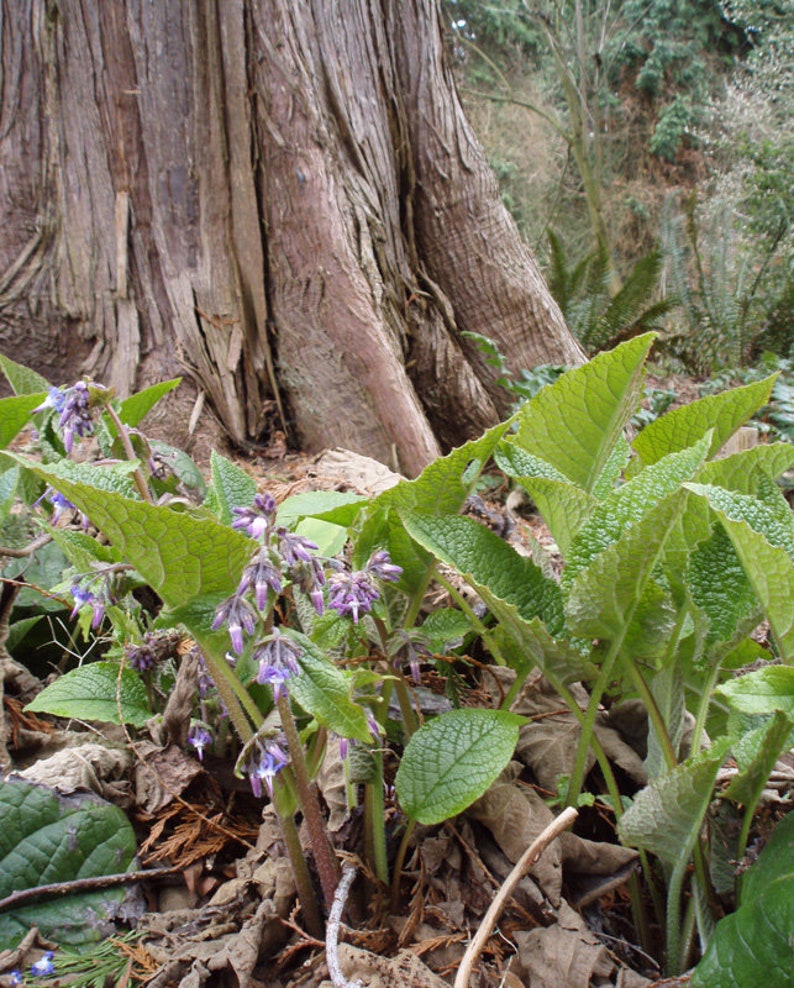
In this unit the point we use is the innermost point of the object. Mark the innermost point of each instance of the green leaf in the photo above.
(441, 489)
(96, 691)
(15, 414)
(230, 487)
(181, 465)
(341, 506)
(444, 628)
(563, 506)
(628, 506)
(753, 945)
(323, 691)
(452, 760)
(134, 409)
(179, 555)
(666, 816)
(756, 753)
(761, 692)
(682, 427)
(47, 838)
(767, 515)
(113, 478)
(740, 471)
(23, 380)
(610, 592)
(720, 587)
(9, 480)
(487, 560)
(83, 550)
(575, 423)
(769, 567)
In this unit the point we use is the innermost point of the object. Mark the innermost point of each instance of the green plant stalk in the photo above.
(137, 476)
(327, 865)
(654, 715)
(703, 708)
(243, 712)
(576, 780)
(399, 861)
(374, 823)
(300, 872)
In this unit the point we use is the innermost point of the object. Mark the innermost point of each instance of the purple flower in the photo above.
(59, 503)
(352, 593)
(55, 399)
(43, 967)
(381, 566)
(261, 574)
(278, 661)
(239, 616)
(264, 763)
(199, 736)
(257, 520)
(141, 657)
(83, 597)
(15, 977)
(294, 549)
(310, 577)
(72, 407)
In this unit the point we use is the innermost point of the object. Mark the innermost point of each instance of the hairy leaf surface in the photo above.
(96, 691)
(452, 760)
(575, 423)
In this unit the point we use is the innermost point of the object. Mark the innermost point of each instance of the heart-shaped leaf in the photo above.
(451, 762)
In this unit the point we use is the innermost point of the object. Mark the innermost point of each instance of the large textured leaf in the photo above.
(740, 471)
(609, 593)
(575, 423)
(9, 479)
(96, 691)
(15, 414)
(753, 946)
(178, 555)
(666, 816)
(323, 691)
(628, 505)
(766, 512)
(761, 692)
(486, 560)
(451, 761)
(342, 505)
(46, 838)
(720, 587)
(230, 487)
(562, 505)
(23, 380)
(762, 541)
(525, 640)
(113, 479)
(134, 409)
(682, 427)
(441, 489)
(756, 753)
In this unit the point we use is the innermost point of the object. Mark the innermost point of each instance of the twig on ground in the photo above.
(521, 867)
(332, 930)
(85, 885)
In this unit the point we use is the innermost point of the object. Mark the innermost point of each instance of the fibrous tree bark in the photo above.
(282, 198)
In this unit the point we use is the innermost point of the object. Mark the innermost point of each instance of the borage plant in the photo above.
(301, 637)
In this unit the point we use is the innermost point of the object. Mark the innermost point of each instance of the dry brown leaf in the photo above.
(162, 774)
(516, 816)
(405, 970)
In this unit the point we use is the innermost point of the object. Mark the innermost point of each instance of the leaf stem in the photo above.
(327, 865)
(576, 780)
(300, 872)
(399, 861)
(137, 475)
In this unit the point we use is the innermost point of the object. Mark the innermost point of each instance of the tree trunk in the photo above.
(280, 198)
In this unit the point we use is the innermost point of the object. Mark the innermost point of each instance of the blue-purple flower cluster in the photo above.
(72, 405)
(44, 967)
(354, 593)
(265, 760)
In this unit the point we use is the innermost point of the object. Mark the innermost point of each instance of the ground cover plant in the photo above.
(308, 630)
